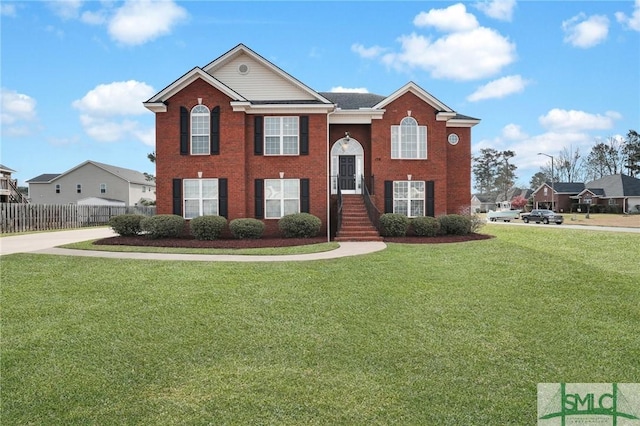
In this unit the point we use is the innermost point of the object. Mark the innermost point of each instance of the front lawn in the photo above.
(415, 334)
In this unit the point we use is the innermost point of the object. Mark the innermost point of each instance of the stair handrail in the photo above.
(15, 193)
(372, 210)
(339, 215)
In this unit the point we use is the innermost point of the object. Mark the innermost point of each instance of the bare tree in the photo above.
(605, 159)
(569, 166)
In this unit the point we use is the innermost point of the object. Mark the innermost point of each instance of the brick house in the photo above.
(242, 138)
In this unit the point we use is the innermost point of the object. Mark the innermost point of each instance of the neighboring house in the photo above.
(242, 138)
(562, 199)
(614, 190)
(95, 182)
(481, 203)
(9, 192)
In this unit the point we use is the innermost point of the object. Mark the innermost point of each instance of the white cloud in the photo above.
(68, 9)
(513, 132)
(367, 52)
(631, 22)
(470, 55)
(340, 89)
(138, 22)
(452, 19)
(584, 32)
(562, 120)
(18, 112)
(499, 88)
(8, 10)
(106, 110)
(498, 9)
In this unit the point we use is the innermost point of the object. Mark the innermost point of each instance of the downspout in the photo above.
(329, 178)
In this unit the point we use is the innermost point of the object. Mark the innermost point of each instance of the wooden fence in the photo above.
(16, 217)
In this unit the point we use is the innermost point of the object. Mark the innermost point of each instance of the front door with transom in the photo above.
(347, 172)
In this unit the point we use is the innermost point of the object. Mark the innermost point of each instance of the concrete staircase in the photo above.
(356, 225)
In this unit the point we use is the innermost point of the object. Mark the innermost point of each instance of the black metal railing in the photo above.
(339, 215)
(372, 211)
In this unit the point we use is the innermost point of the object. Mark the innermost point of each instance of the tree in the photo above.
(568, 166)
(631, 153)
(506, 175)
(152, 157)
(605, 159)
(519, 202)
(494, 174)
(539, 179)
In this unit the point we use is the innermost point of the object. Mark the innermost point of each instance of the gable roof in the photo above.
(348, 100)
(614, 186)
(4, 168)
(131, 176)
(245, 95)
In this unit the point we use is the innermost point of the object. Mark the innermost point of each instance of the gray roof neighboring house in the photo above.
(615, 186)
(348, 100)
(567, 187)
(131, 176)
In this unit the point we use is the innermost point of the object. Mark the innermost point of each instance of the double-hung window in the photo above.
(408, 140)
(200, 197)
(103, 188)
(200, 122)
(408, 197)
(281, 136)
(282, 197)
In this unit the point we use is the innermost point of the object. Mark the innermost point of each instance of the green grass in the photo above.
(266, 251)
(416, 334)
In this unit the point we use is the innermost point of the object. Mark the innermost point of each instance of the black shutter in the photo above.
(215, 131)
(258, 141)
(223, 198)
(304, 196)
(259, 190)
(304, 135)
(388, 196)
(430, 198)
(184, 131)
(177, 197)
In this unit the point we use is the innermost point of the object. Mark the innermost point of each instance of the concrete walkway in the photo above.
(46, 242)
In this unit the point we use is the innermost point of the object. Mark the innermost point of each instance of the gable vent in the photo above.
(243, 69)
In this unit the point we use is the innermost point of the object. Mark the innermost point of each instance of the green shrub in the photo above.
(476, 223)
(207, 227)
(163, 226)
(455, 224)
(394, 225)
(126, 225)
(299, 225)
(425, 226)
(246, 228)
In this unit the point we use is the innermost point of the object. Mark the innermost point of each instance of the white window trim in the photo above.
(200, 199)
(396, 138)
(409, 199)
(281, 136)
(58, 188)
(78, 188)
(271, 197)
(103, 188)
(207, 134)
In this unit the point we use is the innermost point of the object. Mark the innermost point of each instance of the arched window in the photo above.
(408, 140)
(200, 131)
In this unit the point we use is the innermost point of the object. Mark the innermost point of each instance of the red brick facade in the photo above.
(447, 166)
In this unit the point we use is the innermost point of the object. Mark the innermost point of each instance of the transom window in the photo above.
(200, 122)
(281, 135)
(282, 197)
(408, 197)
(200, 197)
(408, 140)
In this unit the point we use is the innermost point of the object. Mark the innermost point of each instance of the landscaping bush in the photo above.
(246, 228)
(454, 224)
(394, 225)
(126, 225)
(425, 226)
(163, 226)
(207, 227)
(299, 225)
(476, 223)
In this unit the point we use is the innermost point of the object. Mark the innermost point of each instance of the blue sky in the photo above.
(541, 76)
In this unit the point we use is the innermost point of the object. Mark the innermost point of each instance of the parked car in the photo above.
(544, 216)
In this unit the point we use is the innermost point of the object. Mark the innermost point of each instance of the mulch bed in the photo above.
(190, 242)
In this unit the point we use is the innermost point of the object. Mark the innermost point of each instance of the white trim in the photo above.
(361, 116)
(249, 108)
(418, 91)
(355, 149)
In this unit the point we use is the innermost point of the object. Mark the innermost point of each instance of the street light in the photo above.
(553, 192)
